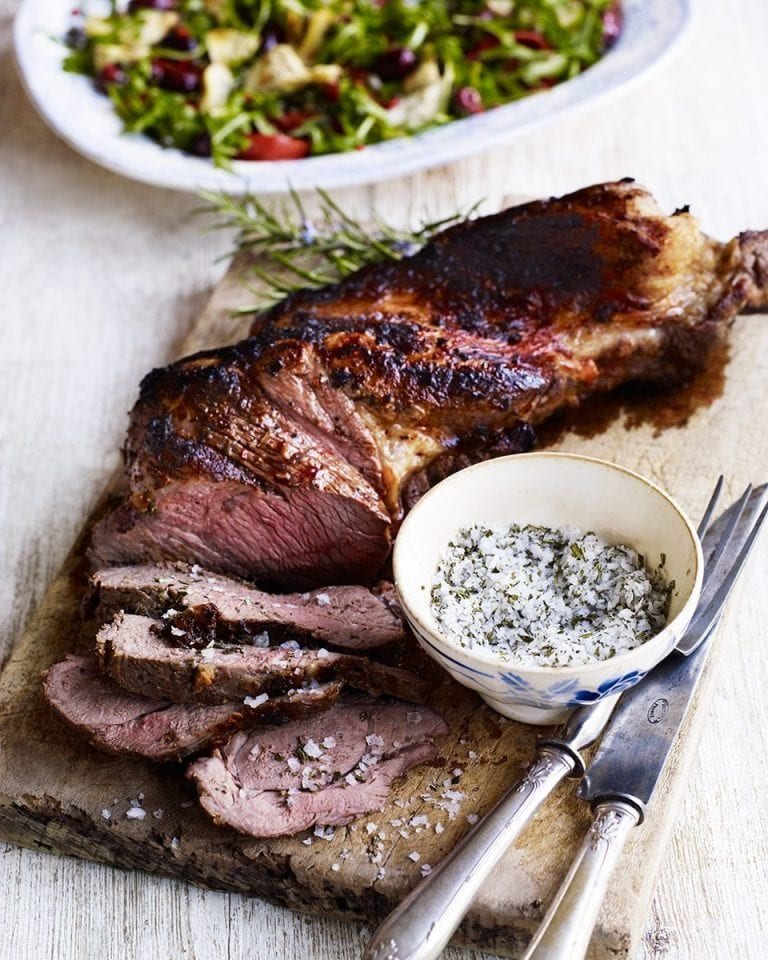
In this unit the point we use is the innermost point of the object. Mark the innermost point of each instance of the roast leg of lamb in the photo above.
(285, 458)
(279, 781)
(116, 721)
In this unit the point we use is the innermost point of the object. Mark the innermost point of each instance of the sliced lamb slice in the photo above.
(350, 617)
(326, 770)
(133, 652)
(119, 722)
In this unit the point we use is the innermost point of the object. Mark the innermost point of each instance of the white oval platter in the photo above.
(85, 120)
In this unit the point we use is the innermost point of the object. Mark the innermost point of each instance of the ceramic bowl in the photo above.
(555, 490)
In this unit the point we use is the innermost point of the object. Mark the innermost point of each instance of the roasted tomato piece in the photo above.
(292, 119)
(487, 43)
(279, 146)
(532, 39)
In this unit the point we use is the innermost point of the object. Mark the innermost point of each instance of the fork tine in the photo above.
(704, 523)
(711, 562)
(713, 608)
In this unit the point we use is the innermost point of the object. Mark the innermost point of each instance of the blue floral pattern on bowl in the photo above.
(571, 693)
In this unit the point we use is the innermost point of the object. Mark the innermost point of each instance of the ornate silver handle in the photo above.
(424, 922)
(567, 927)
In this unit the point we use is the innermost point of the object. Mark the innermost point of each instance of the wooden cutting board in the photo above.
(58, 794)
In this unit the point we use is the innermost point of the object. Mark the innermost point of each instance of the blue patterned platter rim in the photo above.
(85, 120)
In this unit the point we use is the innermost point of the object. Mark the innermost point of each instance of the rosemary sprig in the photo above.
(291, 251)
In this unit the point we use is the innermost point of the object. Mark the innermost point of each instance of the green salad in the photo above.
(284, 79)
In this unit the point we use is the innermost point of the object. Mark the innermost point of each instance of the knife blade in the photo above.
(634, 751)
(636, 744)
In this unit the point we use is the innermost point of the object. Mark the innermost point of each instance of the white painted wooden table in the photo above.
(99, 278)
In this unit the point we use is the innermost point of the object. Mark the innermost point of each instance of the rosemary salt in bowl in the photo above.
(595, 532)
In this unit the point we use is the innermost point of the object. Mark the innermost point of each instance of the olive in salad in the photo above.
(285, 79)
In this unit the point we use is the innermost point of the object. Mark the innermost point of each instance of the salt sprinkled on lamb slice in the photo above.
(133, 652)
(117, 721)
(312, 749)
(330, 789)
(256, 701)
(135, 813)
(352, 618)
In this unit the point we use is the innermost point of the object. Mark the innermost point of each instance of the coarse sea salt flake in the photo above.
(256, 701)
(135, 813)
(323, 600)
(415, 856)
(329, 742)
(106, 814)
(312, 749)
